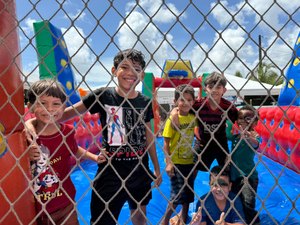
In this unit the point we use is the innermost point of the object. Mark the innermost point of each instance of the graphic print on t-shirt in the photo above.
(126, 132)
(45, 181)
(134, 121)
(115, 128)
(184, 142)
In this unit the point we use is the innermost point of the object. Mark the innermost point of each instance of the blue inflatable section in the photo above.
(54, 58)
(63, 66)
(288, 94)
(278, 203)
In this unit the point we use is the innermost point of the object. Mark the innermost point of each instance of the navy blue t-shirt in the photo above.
(211, 210)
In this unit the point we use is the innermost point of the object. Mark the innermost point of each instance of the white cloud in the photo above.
(280, 51)
(247, 17)
(28, 28)
(231, 52)
(85, 65)
(30, 68)
(226, 13)
(146, 35)
(31, 71)
(222, 55)
(147, 38)
(271, 11)
(79, 15)
(220, 12)
(161, 11)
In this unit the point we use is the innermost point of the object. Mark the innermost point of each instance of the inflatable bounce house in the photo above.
(16, 199)
(279, 127)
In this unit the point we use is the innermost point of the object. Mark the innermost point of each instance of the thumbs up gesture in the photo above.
(221, 221)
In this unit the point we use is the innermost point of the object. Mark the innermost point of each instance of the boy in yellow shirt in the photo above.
(179, 153)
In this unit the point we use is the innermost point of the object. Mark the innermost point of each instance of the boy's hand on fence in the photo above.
(30, 129)
(34, 152)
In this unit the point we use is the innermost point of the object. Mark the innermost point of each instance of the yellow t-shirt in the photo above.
(181, 139)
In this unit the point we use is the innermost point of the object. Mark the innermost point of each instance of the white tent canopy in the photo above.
(236, 86)
(247, 87)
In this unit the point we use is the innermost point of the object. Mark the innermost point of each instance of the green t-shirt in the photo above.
(242, 155)
(181, 139)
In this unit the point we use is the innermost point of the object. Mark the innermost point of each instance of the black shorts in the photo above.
(181, 191)
(206, 154)
(108, 190)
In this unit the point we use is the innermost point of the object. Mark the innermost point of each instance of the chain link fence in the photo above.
(248, 38)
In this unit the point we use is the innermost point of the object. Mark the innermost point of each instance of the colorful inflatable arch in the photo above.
(175, 72)
(16, 199)
(54, 59)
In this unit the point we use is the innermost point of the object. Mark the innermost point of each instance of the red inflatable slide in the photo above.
(16, 199)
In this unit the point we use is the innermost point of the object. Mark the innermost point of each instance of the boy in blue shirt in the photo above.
(216, 204)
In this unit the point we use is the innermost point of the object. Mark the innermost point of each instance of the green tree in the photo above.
(238, 74)
(265, 73)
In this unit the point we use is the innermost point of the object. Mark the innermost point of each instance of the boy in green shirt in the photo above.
(243, 174)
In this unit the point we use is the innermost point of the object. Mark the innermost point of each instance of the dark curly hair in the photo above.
(132, 54)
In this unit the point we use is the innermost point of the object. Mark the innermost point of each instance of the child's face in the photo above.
(220, 187)
(246, 120)
(129, 74)
(48, 109)
(215, 91)
(185, 103)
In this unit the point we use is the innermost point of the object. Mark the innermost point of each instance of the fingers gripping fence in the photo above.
(250, 43)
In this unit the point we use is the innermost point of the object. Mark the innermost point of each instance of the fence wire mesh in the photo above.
(250, 42)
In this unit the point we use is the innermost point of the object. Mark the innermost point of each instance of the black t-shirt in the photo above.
(214, 121)
(123, 128)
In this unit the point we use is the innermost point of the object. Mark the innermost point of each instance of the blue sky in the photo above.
(214, 35)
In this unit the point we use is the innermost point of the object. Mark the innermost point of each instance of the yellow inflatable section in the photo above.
(178, 69)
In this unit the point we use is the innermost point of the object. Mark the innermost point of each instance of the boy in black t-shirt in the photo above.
(213, 111)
